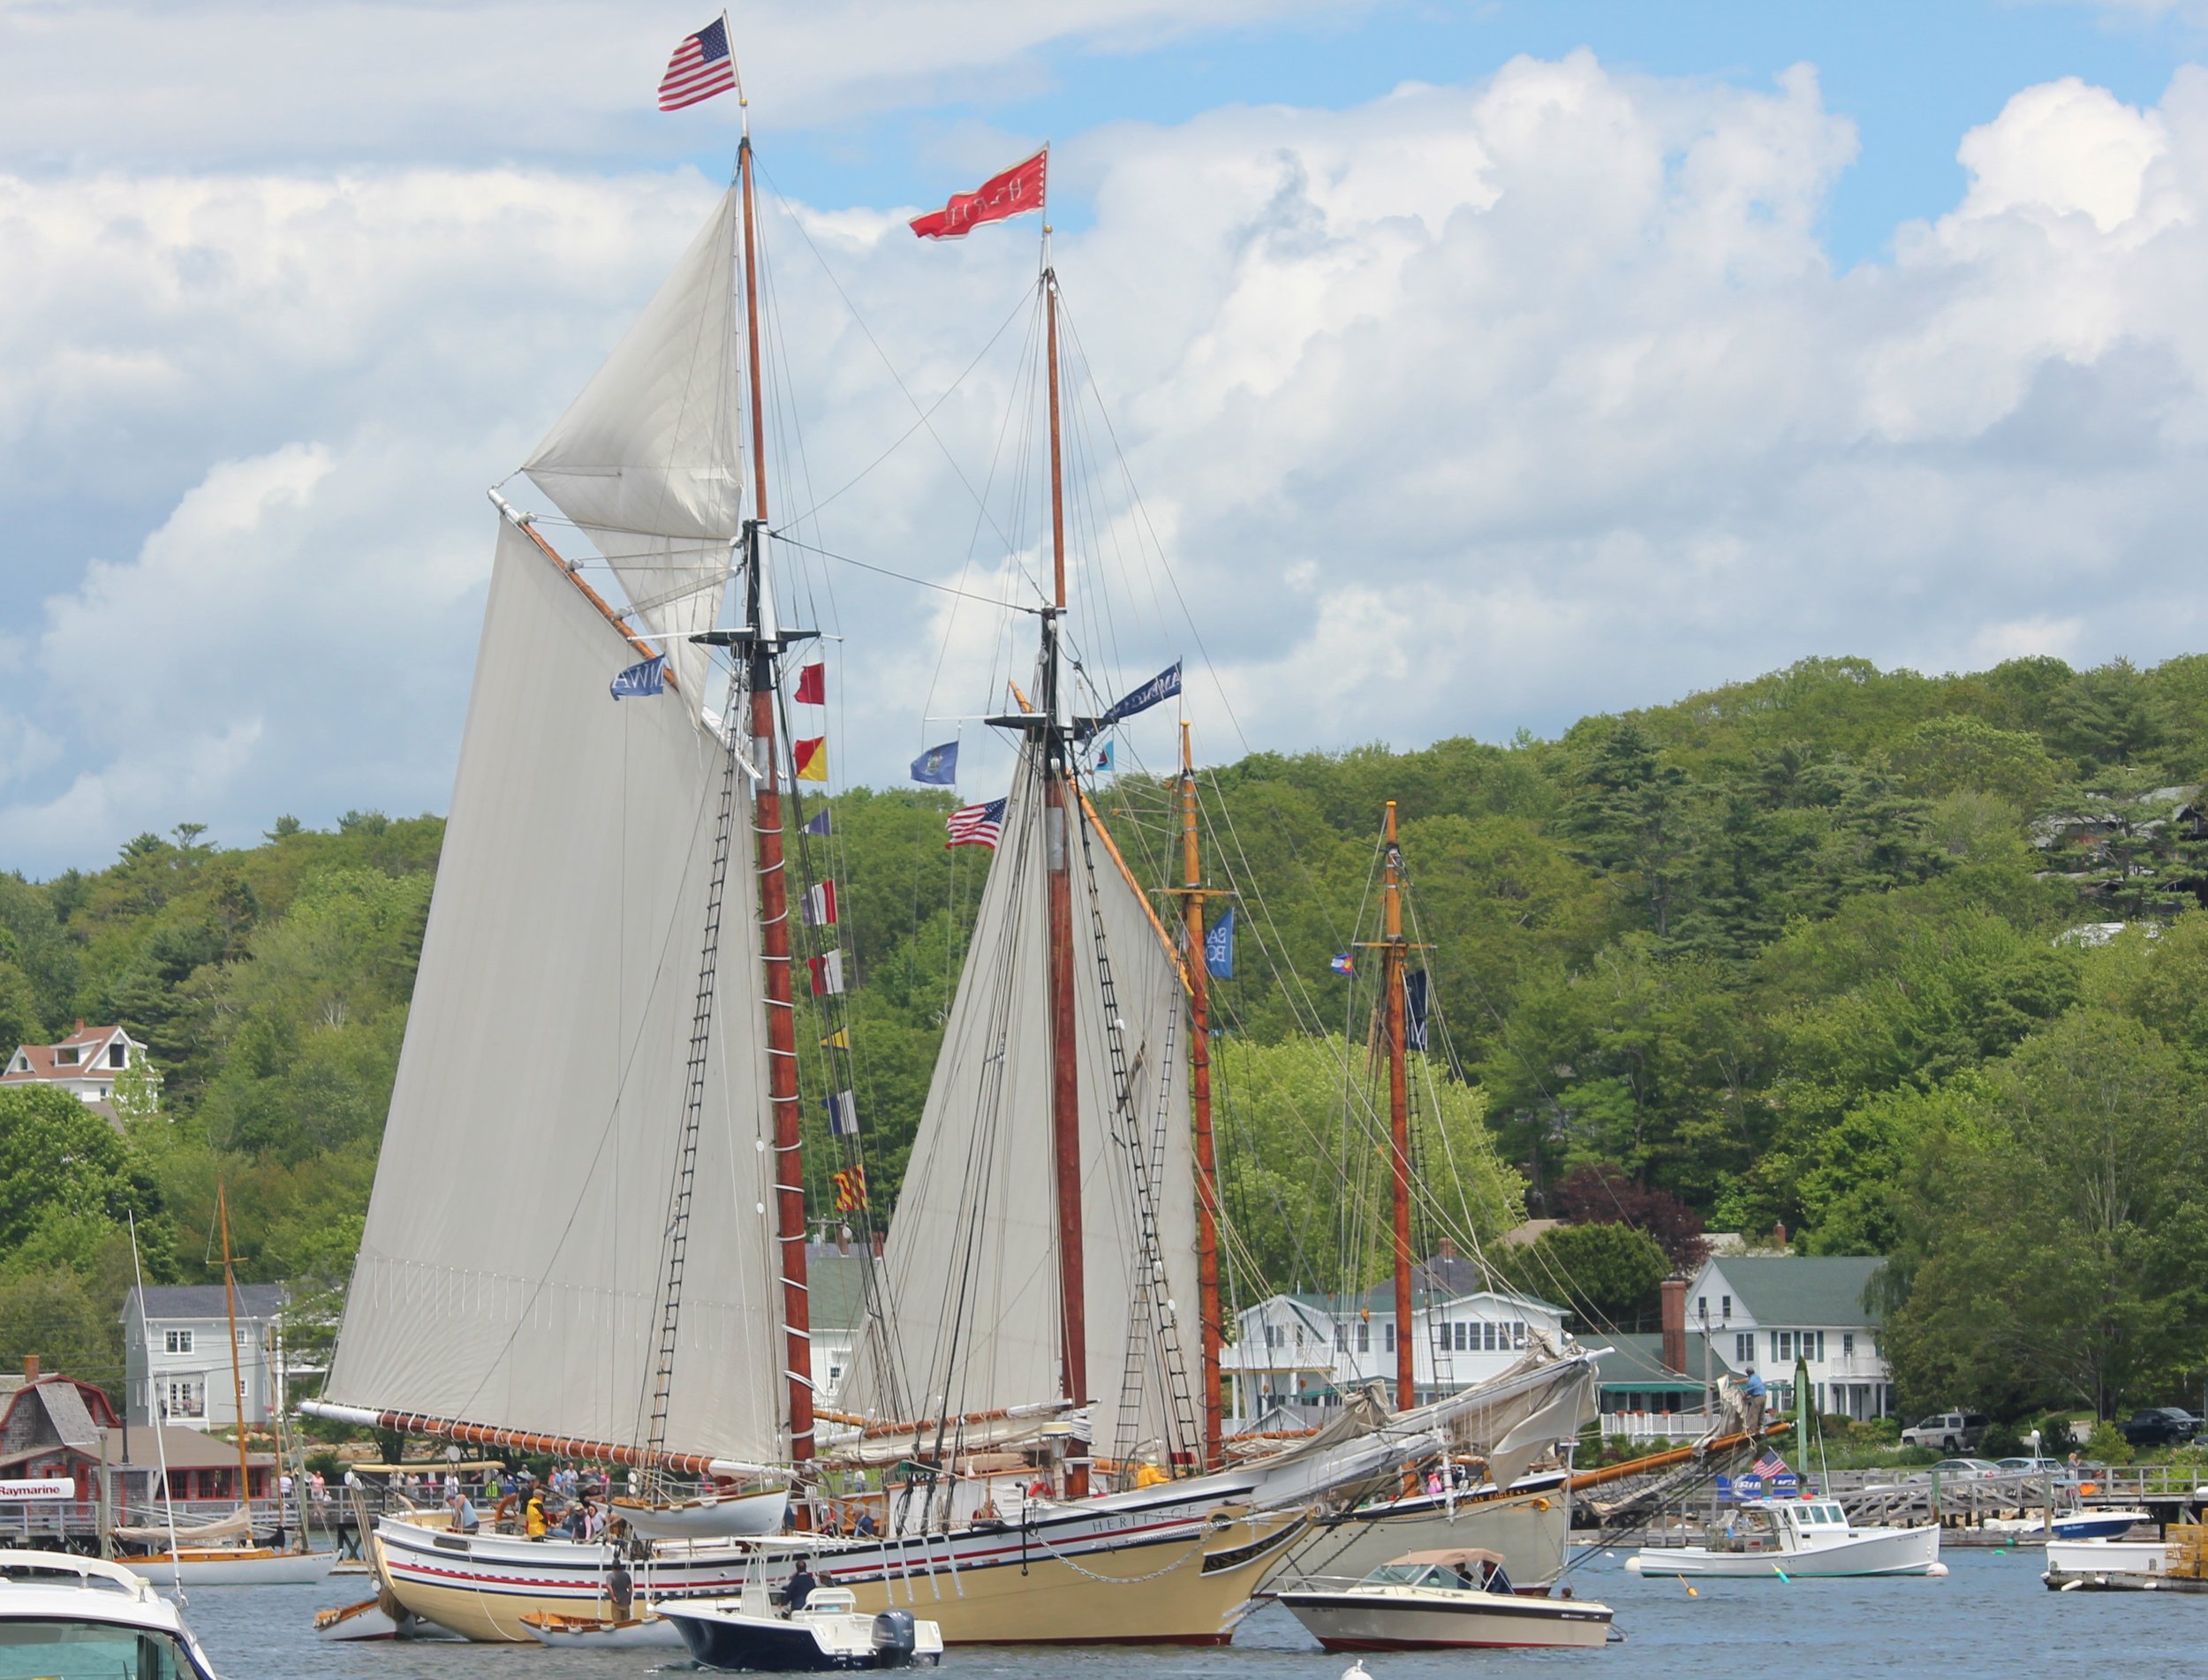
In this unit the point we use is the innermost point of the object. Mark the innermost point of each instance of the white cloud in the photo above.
(1465, 408)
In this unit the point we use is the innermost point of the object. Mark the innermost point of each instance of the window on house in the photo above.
(186, 1398)
(1846, 1344)
(65, 1056)
(1465, 1343)
(1341, 1338)
(1299, 1335)
(1391, 1336)
(1725, 1306)
(1744, 1348)
(1518, 1333)
(177, 1341)
(1702, 1306)
(115, 1054)
(1819, 1355)
(1363, 1337)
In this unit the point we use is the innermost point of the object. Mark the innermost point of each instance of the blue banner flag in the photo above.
(938, 764)
(1219, 946)
(1343, 963)
(843, 1115)
(650, 678)
(820, 824)
(1164, 686)
(1415, 1010)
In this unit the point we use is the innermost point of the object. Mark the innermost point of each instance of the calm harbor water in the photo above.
(1990, 1619)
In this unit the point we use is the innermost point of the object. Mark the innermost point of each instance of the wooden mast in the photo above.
(1398, 1107)
(1197, 969)
(774, 895)
(237, 1372)
(1065, 1099)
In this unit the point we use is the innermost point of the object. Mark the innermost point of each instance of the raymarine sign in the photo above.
(41, 1487)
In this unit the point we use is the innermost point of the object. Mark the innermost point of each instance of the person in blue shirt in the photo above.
(1752, 1388)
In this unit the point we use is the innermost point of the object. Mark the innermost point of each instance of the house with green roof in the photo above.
(1766, 1310)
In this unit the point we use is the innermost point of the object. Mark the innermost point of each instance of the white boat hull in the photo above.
(1883, 1551)
(1530, 1528)
(2098, 1561)
(1351, 1620)
(249, 1568)
(743, 1516)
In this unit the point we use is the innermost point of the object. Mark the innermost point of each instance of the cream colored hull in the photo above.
(1184, 1586)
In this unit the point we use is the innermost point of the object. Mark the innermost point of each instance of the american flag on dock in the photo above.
(975, 825)
(700, 69)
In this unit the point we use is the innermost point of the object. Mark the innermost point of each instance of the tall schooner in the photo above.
(586, 1235)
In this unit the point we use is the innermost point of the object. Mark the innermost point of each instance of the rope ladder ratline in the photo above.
(675, 1240)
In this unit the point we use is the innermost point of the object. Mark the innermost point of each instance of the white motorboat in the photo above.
(65, 1614)
(1438, 1600)
(829, 1632)
(1791, 1538)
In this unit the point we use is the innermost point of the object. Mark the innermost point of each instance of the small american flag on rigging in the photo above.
(700, 69)
(975, 825)
(1770, 1464)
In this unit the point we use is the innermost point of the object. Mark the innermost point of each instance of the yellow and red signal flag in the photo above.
(1015, 192)
(811, 685)
(850, 1190)
(812, 758)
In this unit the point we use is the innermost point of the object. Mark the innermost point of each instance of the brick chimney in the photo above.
(1674, 1294)
(1779, 1235)
(30, 1367)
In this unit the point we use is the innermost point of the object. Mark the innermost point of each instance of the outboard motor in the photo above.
(894, 1639)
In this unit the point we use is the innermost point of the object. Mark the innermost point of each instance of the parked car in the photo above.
(2159, 1426)
(1953, 1469)
(1948, 1430)
(2030, 1466)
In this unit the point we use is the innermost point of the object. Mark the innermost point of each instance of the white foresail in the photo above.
(645, 459)
(972, 1252)
(509, 1270)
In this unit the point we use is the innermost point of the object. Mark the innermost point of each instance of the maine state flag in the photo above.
(939, 765)
(650, 678)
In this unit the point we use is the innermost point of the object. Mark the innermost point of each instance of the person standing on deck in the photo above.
(1753, 1390)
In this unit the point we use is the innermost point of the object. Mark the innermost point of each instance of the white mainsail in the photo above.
(972, 1252)
(645, 460)
(509, 1273)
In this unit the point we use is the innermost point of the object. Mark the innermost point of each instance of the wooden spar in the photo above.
(484, 1434)
(526, 526)
(1065, 1090)
(1398, 1111)
(236, 1374)
(870, 1430)
(1198, 975)
(1665, 1460)
(774, 907)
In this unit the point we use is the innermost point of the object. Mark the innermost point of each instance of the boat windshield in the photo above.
(1823, 1515)
(48, 1650)
(1410, 1575)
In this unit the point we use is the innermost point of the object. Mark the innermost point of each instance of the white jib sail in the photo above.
(972, 1252)
(646, 460)
(509, 1272)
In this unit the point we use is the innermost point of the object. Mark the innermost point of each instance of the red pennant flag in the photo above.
(1015, 192)
(811, 685)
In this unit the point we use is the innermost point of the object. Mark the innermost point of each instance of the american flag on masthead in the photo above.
(700, 69)
(975, 825)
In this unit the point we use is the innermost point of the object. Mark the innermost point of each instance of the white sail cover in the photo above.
(645, 459)
(509, 1272)
(972, 1252)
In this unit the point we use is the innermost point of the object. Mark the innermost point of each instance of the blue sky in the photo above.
(1913, 77)
(1613, 357)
